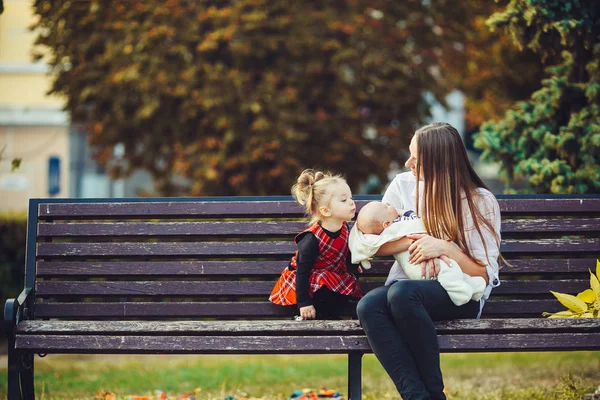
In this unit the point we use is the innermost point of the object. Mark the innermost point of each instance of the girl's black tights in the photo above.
(329, 304)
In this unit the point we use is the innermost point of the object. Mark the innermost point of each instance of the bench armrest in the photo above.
(14, 311)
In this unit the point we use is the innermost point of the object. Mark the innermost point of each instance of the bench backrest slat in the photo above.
(241, 309)
(177, 209)
(272, 248)
(189, 288)
(244, 229)
(246, 268)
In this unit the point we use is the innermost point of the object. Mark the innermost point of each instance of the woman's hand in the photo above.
(425, 247)
(308, 312)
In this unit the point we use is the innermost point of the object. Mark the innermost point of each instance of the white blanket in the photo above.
(460, 287)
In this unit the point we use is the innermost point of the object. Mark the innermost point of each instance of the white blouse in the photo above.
(401, 194)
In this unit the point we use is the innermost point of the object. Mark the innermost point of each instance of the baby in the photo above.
(378, 223)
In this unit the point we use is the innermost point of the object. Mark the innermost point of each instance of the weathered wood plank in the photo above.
(541, 286)
(229, 309)
(519, 307)
(570, 226)
(190, 344)
(276, 248)
(567, 226)
(153, 288)
(519, 342)
(253, 288)
(510, 207)
(192, 328)
(550, 246)
(116, 310)
(167, 249)
(292, 344)
(522, 325)
(546, 266)
(195, 229)
(49, 269)
(288, 327)
(166, 208)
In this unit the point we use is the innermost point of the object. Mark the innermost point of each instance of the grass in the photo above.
(531, 376)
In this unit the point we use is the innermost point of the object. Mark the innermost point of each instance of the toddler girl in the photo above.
(318, 278)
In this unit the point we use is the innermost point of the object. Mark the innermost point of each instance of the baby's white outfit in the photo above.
(461, 287)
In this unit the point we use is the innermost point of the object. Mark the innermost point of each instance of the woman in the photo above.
(462, 219)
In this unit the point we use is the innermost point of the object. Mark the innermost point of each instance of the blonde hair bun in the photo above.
(312, 189)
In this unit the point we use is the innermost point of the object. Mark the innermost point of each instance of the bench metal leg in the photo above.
(27, 377)
(14, 374)
(354, 375)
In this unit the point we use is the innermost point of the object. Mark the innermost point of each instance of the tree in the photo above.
(553, 138)
(237, 97)
(485, 66)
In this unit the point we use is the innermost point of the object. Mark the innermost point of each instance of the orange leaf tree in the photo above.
(237, 97)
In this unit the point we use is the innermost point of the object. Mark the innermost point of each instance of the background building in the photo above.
(33, 127)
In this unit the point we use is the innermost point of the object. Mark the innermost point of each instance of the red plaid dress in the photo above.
(329, 269)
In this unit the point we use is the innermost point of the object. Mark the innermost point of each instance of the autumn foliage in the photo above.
(237, 97)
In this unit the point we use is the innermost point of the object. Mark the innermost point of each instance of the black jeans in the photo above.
(398, 320)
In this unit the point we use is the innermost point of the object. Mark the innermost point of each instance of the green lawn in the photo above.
(467, 376)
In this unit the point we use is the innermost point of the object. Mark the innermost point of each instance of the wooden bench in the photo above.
(192, 276)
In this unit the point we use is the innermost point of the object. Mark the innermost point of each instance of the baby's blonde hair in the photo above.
(370, 219)
(313, 189)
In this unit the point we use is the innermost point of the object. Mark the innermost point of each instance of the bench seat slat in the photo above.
(324, 328)
(569, 226)
(517, 342)
(48, 269)
(273, 248)
(253, 288)
(293, 344)
(107, 344)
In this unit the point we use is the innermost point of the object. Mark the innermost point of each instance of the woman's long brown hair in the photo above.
(447, 174)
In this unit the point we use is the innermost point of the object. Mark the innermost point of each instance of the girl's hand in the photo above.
(308, 312)
(425, 247)
(430, 269)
